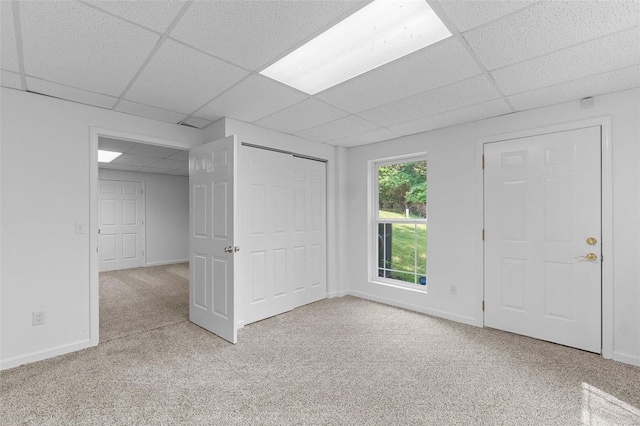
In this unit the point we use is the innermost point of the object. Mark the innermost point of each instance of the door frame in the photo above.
(94, 289)
(606, 218)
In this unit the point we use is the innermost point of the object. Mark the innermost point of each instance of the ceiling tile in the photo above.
(179, 172)
(338, 129)
(153, 150)
(197, 122)
(10, 79)
(252, 99)
(8, 49)
(604, 54)
(306, 114)
(470, 14)
(457, 95)
(134, 160)
(463, 115)
(613, 81)
(123, 167)
(434, 66)
(156, 15)
(180, 155)
(70, 93)
(117, 145)
(179, 78)
(253, 33)
(170, 164)
(149, 112)
(151, 169)
(548, 26)
(79, 46)
(371, 136)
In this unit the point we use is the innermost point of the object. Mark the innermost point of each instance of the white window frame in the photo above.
(374, 221)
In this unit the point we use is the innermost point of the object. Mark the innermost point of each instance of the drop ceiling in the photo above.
(194, 62)
(143, 158)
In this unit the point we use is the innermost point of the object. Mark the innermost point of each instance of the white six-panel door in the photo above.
(542, 211)
(212, 232)
(283, 232)
(121, 224)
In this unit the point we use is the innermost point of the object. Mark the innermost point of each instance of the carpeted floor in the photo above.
(344, 361)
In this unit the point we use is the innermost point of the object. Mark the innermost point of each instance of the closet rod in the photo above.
(306, 157)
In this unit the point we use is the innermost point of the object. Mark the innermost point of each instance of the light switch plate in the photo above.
(81, 227)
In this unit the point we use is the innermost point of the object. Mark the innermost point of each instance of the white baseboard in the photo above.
(433, 312)
(626, 358)
(337, 294)
(167, 262)
(44, 354)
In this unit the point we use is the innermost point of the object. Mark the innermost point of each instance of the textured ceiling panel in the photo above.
(149, 112)
(306, 114)
(152, 169)
(123, 167)
(10, 79)
(197, 122)
(116, 145)
(70, 93)
(457, 116)
(338, 129)
(470, 14)
(252, 33)
(457, 95)
(252, 99)
(179, 78)
(76, 45)
(134, 160)
(549, 26)
(181, 155)
(179, 172)
(435, 66)
(371, 136)
(9, 52)
(153, 151)
(170, 164)
(613, 81)
(156, 15)
(594, 57)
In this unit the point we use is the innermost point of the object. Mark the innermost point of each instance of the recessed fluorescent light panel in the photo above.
(380, 32)
(107, 156)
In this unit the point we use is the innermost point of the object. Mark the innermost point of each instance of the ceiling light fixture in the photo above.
(380, 32)
(107, 156)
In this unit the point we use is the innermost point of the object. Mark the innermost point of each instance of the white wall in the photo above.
(453, 206)
(167, 214)
(45, 191)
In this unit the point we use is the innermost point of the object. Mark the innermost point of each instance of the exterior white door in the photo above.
(121, 225)
(542, 212)
(283, 232)
(212, 230)
(267, 215)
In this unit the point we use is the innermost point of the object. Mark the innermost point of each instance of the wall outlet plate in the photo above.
(38, 318)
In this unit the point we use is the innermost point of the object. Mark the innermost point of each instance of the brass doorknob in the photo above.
(592, 241)
(589, 256)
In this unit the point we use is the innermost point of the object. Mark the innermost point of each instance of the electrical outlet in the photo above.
(38, 318)
(453, 289)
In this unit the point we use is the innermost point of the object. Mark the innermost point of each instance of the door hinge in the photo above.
(483, 306)
(482, 234)
(143, 222)
(98, 231)
(143, 252)
(142, 191)
(483, 162)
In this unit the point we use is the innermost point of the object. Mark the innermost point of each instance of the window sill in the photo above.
(422, 289)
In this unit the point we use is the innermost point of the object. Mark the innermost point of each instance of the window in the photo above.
(400, 221)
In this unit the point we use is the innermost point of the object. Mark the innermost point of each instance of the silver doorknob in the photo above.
(589, 256)
(228, 249)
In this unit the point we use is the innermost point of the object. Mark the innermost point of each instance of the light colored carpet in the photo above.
(137, 300)
(343, 361)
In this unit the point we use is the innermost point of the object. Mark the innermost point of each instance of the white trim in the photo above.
(626, 358)
(433, 312)
(607, 215)
(44, 354)
(167, 262)
(94, 286)
(337, 294)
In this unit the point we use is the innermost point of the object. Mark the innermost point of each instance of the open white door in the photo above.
(212, 198)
